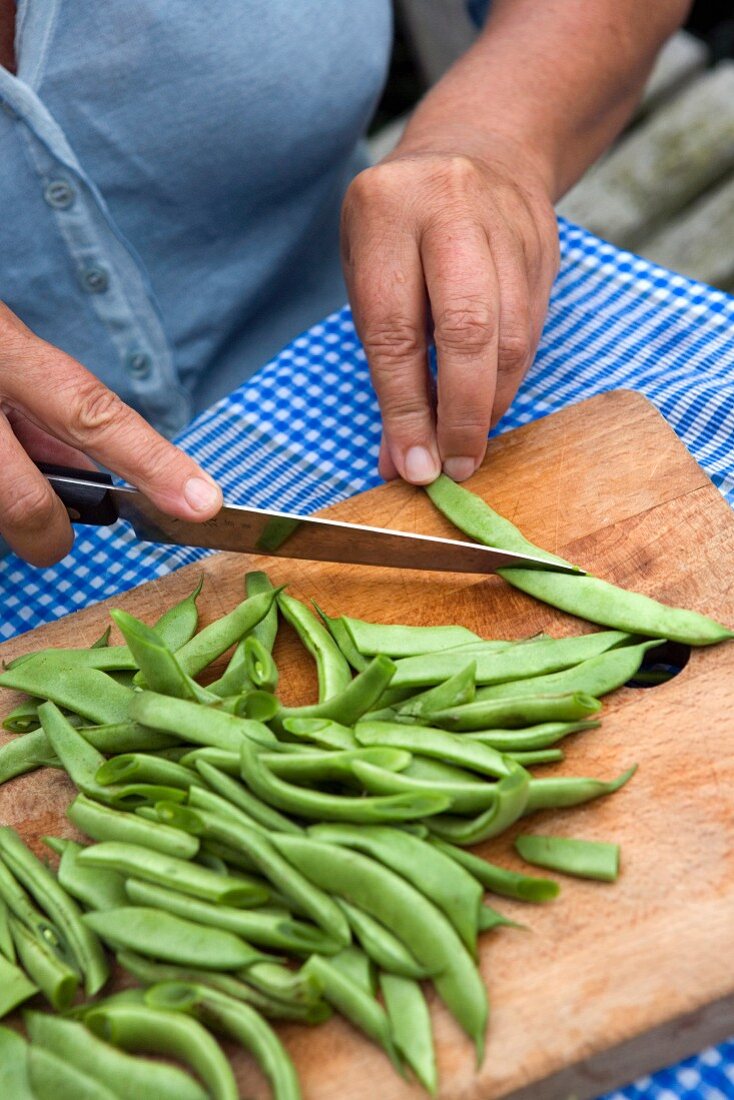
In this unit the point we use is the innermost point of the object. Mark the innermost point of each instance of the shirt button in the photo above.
(59, 194)
(95, 280)
(139, 364)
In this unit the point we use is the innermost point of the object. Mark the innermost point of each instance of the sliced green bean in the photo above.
(23, 718)
(328, 807)
(444, 883)
(423, 928)
(15, 986)
(84, 948)
(14, 1082)
(332, 669)
(261, 668)
(179, 874)
(512, 795)
(562, 791)
(24, 753)
(597, 676)
(426, 669)
(355, 1004)
(517, 710)
(238, 1021)
(499, 880)
(322, 731)
(105, 658)
(570, 856)
(237, 833)
(425, 741)
(129, 1077)
(338, 630)
(410, 1022)
(55, 978)
(281, 932)
(18, 903)
(542, 736)
(216, 638)
(380, 945)
(164, 936)
(235, 792)
(200, 725)
(178, 624)
(80, 760)
(404, 641)
(104, 823)
(137, 1027)
(86, 691)
(53, 1078)
(94, 887)
(455, 691)
(160, 669)
(260, 706)
(357, 699)
(136, 767)
(338, 765)
(281, 983)
(131, 796)
(127, 737)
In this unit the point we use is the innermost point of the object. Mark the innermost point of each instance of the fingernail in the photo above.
(201, 494)
(459, 469)
(420, 466)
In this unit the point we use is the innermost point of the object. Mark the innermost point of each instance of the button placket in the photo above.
(59, 194)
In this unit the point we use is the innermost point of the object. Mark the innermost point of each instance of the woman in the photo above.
(171, 177)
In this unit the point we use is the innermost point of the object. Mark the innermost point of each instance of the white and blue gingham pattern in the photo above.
(304, 432)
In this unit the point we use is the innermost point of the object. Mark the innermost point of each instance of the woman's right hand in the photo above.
(53, 409)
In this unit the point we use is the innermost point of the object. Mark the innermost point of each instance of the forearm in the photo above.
(547, 84)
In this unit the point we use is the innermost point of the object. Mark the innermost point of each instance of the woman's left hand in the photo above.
(457, 249)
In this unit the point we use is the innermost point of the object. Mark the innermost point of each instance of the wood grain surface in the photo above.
(610, 980)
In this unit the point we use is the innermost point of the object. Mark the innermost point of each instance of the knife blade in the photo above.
(92, 498)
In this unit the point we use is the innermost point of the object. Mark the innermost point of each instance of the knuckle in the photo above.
(465, 423)
(406, 414)
(459, 170)
(391, 342)
(514, 352)
(94, 411)
(33, 506)
(464, 327)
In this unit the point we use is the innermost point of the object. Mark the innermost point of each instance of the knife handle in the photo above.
(88, 504)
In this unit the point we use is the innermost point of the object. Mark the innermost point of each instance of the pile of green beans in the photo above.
(240, 860)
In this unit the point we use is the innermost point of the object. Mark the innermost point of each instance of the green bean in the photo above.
(104, 823)
(178, 624)
(299, 986)
(536, 756)
(228, 762)
(512, 795)
(517, 710)
(328, 807)
(137, 1027)
(179, 874)
(332, 669)
(216, 638)
(404, 641)
(444, 883)
(499, 880)
(131, 796)
(234, 680)
(380, 945)
(142, 768)
(7, 947)
(257, 583)
(126, 737)
(83, 947)
(94, 887)
(357, 699)
(316, 766)
(85, 691)
(160, 669)
(490, 918)
(355, 1004)
(455, 691)
(561, 791)
(200, 725)
(281, 932)
(262, 814)
(532, 737)
(15, 986)
(171, 939)
(151, 973)
(23, 718)
(431, 742)
(463, 797)
(426, 669)
(15, 899)
(582, 858)
(24, 753)
(129, 1077)
(338, 630)
(261, 668)
(52, 1078)
(355, 965)
(14, 1083)
(105, 658)
(55, 978)
(595, 677)
(322, 731)
(260, 706)
(80, 760)
(410, 1022)
(422, 927)
(103, 641)
(239, 1022)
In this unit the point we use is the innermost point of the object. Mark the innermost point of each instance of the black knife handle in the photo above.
(84, 503)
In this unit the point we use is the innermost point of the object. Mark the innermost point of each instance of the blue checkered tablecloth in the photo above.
(304, 433)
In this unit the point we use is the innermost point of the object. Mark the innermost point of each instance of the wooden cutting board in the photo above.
(610, 981)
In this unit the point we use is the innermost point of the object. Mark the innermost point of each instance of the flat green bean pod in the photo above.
(356, 699)
(423, 928)
(105, 823)
(200, 725)
(404, 641)
(338, 630)
(52, 1078)
(15, 986)
(94, 887)
(18, 903)
(380, 945)
(80, 760)
(528, 758)
(509, 884)
(235, 792)
(120, 737)
(570, 856)
(266, 630)
(46, 969)
(137, 767)
(334, 765)
(357, 966)
(159, 666)
(517, 709)
(426, 741)
(512, 795)
(25, 753)
(106, 658)
(542, 736)
(561, 791)
(410, 1022)
(178, 624)
(216, 638)
(14, 1081)
(467, 797)
(129, 1077)
(455, 691)
(332, 668)
(322, 731)
(86, 691)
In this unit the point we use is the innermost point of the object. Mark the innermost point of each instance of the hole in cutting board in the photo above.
(660, 665)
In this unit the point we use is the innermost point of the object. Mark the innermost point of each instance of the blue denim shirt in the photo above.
(170, 181)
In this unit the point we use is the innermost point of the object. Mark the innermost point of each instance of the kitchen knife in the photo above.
(92, 498)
